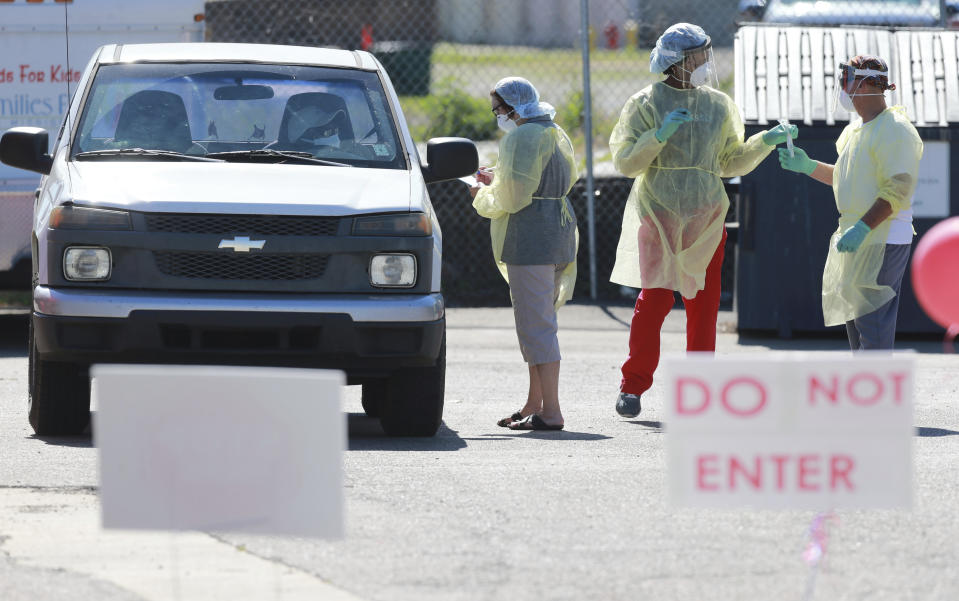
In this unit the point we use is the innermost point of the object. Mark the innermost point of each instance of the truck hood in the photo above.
(240, 188)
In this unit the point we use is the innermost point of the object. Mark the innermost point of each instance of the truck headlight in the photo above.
(393, 271)
(86, 263)
(70, 217)
(403, 224)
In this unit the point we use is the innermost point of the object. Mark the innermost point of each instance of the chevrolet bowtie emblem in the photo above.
(242, 244)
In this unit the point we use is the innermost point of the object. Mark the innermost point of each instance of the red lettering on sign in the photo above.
(693, 396)
(839, 468)
(702, 469)
(855, 390)
(780, 461)
(863, 389)
(832, 393)
(26, 75)
(681, 407)
(897, 378)
(754, 477)
(751, 382)
(59, 74)
(801, 473)
(808, 468)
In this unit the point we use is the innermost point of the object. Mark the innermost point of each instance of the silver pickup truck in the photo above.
(237, 204)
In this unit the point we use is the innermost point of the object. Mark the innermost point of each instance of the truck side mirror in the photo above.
(449, 158)
(26, 148)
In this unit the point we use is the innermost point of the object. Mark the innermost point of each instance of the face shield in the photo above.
(697, 67)
(848, 81)
(313, 125)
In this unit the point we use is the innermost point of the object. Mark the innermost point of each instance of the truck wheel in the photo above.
(414, 405)
(58, 401)
(374, 396)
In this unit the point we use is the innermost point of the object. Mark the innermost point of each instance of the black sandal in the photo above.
(506, 421)
(534, 422)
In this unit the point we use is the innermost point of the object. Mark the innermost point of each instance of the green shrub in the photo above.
(570, 114)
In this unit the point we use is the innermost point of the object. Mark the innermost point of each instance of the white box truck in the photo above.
(36, 80)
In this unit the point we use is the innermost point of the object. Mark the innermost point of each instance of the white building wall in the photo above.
(541, 23)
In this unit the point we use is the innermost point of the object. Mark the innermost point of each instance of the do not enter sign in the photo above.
(790, 431)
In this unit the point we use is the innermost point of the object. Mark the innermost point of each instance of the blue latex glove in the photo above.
(671, 123)
(777, 135)
(852, 238)
(799, 162)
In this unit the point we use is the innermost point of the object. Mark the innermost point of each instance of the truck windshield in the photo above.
(234, 111)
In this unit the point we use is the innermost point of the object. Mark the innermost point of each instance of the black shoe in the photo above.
(628, 405)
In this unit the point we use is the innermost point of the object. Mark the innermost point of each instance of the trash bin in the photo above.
(408, 64)
(786, 219)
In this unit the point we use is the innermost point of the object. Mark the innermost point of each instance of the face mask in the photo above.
(701, 74)
(333, 140)
(845, 101)
(505, 123)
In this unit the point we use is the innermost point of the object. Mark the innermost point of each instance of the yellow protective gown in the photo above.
(879, 159)
(674, 216)
(523, 156)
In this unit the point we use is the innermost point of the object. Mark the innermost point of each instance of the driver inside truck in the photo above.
(314, 120)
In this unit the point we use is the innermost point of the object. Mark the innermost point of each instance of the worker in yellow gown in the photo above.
(534, 236)
(678, 138)
(873, 181)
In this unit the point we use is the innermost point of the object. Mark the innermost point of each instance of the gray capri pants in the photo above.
(877, 330)
(533, 290)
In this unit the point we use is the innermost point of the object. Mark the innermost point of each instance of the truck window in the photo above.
(199, 109)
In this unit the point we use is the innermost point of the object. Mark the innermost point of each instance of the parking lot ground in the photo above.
(480, 512)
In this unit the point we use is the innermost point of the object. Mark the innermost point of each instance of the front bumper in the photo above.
(366, 336)
(74, 302)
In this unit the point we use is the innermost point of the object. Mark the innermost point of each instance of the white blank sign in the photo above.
(220, 448)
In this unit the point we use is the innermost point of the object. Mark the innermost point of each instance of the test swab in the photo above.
(789, 137)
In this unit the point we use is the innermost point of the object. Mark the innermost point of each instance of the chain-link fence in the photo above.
(444, 56)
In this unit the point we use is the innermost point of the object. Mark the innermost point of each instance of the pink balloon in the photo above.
(935, 272)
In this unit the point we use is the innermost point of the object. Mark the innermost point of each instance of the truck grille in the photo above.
(259, 225)
(218, 266)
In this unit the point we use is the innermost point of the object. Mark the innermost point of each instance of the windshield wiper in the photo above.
(167, 154)
(295, 155)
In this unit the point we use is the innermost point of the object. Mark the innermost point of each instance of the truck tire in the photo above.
(374, 396)
(58, 400)
(414, 403)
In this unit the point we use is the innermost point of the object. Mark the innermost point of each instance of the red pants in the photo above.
(652, 307)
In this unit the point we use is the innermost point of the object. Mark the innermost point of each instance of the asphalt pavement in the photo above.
(480, 512)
